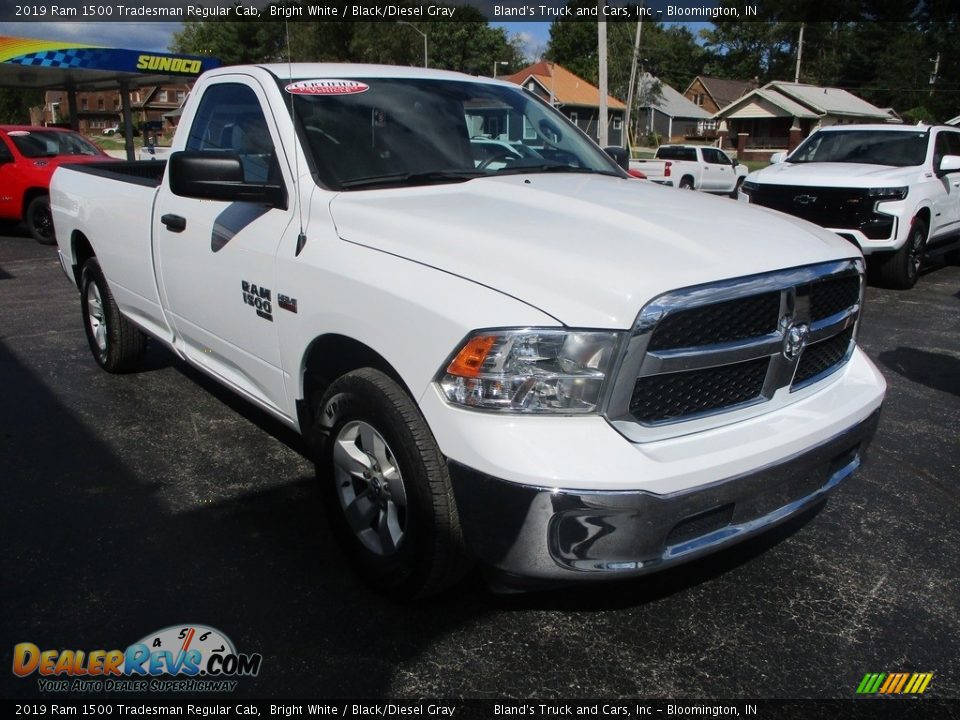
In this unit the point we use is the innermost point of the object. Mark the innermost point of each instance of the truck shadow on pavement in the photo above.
(97, 557)
(937, 371)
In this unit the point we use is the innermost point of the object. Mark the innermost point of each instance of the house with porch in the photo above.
(778, 116)
(577, 99)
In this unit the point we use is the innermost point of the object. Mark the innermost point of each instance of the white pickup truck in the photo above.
(693, 167)
(528, 359)
(893, 190)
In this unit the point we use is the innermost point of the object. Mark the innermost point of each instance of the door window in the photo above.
(230, 119)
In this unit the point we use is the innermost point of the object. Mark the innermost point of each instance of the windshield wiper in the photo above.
(552, 167)
(421, 178)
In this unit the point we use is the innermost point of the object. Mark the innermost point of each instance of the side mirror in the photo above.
(620, 156)
(777, 158)
(735, 162)
(949, 164)
(219, 176)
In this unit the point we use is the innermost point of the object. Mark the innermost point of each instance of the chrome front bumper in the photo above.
(540, 534)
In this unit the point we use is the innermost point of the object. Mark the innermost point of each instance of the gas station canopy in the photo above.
(57, 64)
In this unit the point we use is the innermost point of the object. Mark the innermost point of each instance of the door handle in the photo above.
(174, 223)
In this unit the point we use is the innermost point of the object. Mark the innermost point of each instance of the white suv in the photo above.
(892, 190)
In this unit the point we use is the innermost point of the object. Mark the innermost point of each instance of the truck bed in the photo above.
(148, 173)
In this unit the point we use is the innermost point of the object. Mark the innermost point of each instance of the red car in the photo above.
(28, 157)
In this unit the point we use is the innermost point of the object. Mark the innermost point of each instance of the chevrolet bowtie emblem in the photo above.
(804, 199)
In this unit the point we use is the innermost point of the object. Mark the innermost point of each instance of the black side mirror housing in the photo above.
(620, 156)
(219, 176)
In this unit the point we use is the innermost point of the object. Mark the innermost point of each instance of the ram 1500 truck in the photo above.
(693, 167)
(894, 190)
(528, 359)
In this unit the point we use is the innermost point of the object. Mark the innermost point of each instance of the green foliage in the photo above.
(469, 45)
(15, 105)
(670, 52)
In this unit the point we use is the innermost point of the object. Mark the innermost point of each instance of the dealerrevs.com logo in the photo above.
(180, 658)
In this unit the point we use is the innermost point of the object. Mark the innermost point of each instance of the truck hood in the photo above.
(589, 250)
(823, 174)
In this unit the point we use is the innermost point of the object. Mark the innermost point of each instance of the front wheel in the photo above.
(735, 193)
(901, 269)
(116, 343)
(386, 487)
(40, 220)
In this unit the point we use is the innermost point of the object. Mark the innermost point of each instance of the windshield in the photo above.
(871, 147)
(418, 131)
(40, 143)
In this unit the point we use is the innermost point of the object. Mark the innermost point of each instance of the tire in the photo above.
(116, 343)
(386, 487)
(40, 220)
(686, 184)
(901, 269)
(735, 193)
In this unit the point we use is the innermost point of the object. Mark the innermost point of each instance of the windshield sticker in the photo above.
(326, 87)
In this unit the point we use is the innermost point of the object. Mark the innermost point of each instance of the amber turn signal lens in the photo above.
(470, 359)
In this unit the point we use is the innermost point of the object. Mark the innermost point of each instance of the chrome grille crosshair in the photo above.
(727, 346)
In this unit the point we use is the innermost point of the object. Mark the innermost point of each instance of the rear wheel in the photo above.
(40, 220)
(116, 343)
(901, 269)
(387, 488)
(686, 183)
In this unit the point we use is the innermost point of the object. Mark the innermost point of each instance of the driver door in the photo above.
(216, 259)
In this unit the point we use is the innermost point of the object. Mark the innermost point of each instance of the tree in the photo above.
(233, 43)
(15, 105)
(469, 45)
(669, 52)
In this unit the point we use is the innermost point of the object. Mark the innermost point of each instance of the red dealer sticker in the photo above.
(327, 87)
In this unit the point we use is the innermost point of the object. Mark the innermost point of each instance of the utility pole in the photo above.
(796, 76)
(602, 137)
(936, 71)
(633, 82)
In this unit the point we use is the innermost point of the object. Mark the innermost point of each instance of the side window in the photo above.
(5, 154)
(710, 156)
(940, 149)
(953, 143)
(230, 119)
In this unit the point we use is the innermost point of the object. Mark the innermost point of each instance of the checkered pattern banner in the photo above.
(52, 54)
(67, 58)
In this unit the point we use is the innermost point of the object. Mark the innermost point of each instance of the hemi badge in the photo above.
(287, 303)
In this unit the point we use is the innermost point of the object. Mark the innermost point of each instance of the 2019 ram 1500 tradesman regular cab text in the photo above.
(528, 360)
(894, 190)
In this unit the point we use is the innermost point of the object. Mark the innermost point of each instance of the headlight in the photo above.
(888, 193)
(748, 186)
(531, 370)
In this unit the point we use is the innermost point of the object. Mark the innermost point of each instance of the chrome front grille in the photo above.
(734, 345)
(720, 322)
(675, 395)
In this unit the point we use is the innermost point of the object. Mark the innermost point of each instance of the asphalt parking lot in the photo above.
(132, 503)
